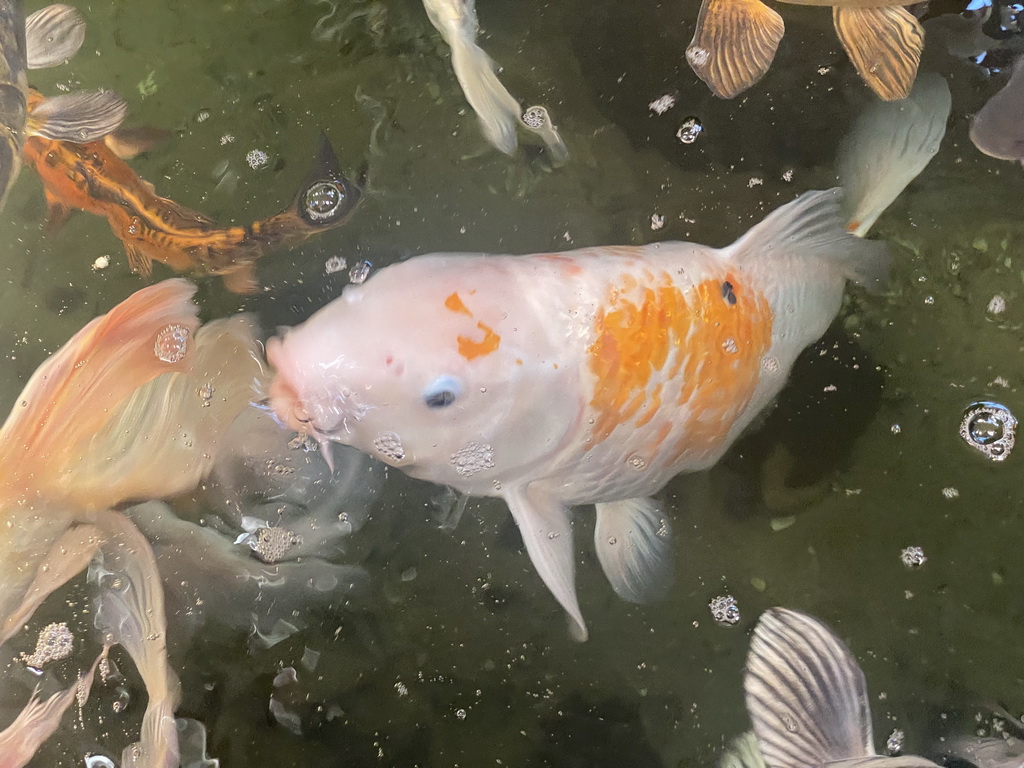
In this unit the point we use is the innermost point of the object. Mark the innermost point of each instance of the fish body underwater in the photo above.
(998, 127)
(735, 42)
(591, 376)
(91, 177)
(47, 38)
(808, 700)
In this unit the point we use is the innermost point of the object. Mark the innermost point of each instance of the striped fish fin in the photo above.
(884, 45)
(805, 693)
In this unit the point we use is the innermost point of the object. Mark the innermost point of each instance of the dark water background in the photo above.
(459, 656)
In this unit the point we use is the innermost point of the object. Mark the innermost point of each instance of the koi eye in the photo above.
(442, 392)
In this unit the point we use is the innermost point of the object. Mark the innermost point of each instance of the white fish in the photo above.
(496, 109)
(890, 143)
(807, 698)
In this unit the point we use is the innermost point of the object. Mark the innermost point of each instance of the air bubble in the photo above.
(99, 761)
(637, 462)
(894, 744)
(473, 457)
(912, 557)
(724, 610)
(535, 117)
(55, 642)
(359, 272)
(257, 158)
(689, 130)
(335, 264)
(322, 201)
(697, 56)
(729, 345)
(271, 545)
(172, 344)
(989, 428)
(389, 445)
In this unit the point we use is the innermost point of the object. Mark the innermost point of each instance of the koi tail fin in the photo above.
(326, 198)
(496, 108)
(890, 144)
(812, 229)
(70, 396)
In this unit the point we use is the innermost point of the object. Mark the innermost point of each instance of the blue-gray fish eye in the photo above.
(442, 392)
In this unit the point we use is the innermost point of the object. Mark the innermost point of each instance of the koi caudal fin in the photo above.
(326, 198)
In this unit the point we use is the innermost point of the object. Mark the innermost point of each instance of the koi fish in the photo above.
(113, 416)
(48, 37)
(91, 177)
(591, 376)
(497, 110)
(735, 42)
(808, 700)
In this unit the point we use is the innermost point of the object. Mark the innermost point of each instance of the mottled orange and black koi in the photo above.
(91, 177)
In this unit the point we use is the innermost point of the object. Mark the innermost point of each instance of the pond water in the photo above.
(454, 653)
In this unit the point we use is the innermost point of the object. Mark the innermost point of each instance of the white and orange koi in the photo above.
(114, 415)
(587, 377)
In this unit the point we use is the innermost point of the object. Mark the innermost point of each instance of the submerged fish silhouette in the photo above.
(998, 127)
(735, 42)
(91, 177)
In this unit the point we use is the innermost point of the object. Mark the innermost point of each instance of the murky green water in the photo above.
(458, 656)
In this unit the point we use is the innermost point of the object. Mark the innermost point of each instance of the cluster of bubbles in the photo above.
(689, 130)
(989, 428)
(171, 344)
(55, 642)
(913, 557)
(724, 610)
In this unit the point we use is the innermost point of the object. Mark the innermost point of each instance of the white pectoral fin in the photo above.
(742, 752)
(80, 117)
(805, 694)
(497, 110)
(633, 542)
(53, 35)
(546, 527)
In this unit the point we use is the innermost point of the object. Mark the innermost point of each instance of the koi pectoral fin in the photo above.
(633, 543)
(80, 117)
(734, 44)
(546, 527)
(53, 35)
(884, 45)
(241, 278)
(138, 262)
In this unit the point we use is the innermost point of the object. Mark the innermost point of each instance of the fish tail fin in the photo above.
(812, 228)
(130, 612)
(163, 439)
(325, 199)
(496, 108)
(805, 693)
(70, 396)
(889, 145)
(742, 752)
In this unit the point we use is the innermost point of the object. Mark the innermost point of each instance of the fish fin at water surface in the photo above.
(53, 35)
(805, 693)
(742, 752)
(884, 45)
(633, 539)
(496, 108)
(127, 143)
(890, 143)
(546, 527)
(67, 557)
(241, 278)
(130, 612)
(79, 117)
(164, 438)
(812, 228)
(71, 395)
(138, 262)
(734, 44)
(40, 719)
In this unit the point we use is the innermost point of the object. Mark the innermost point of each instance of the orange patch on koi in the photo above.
(454, 304)
(471, 349)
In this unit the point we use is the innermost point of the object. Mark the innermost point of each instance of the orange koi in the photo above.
(92, 177)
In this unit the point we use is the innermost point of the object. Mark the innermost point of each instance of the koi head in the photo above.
(430, 369)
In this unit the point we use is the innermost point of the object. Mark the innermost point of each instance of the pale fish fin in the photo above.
(805, 693)
(53, 35)
(812, 227)
(39, 719)
(537, 120)
(79, 117)
(633, 539)
(130, 612)
(743, 752)
(997, 129)
(546, 527)
(70, 396)
(988, 751)
(890, 144)
(734, 44)
(138, 261)
(241, 278)
(496, 109)
(192, 742)
(884, 45)
(68, 557)
(163, 439)
(127, 143)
